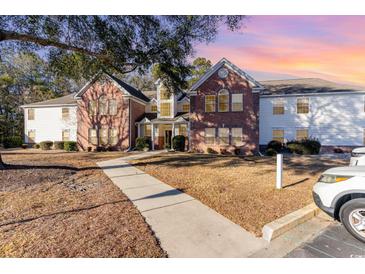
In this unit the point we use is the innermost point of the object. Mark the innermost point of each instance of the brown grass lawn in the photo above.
(240, 188)
(57, 204)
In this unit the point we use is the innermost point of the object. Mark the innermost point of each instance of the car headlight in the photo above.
(354, 154)
(330, 179)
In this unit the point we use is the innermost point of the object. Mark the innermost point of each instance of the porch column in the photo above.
(188, 134)
(139, 130)
(153, 136)
(173, 130)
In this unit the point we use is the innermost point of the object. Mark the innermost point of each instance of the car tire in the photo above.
(348, 211)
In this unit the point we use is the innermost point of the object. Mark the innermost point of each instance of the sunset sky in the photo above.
(274, 47)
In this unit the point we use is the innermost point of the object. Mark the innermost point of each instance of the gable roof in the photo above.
(60, 101)
(128, 88)
(305, 86)
(131, 90)
(224, 62)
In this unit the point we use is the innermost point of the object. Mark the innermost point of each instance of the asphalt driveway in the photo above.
(332, 242)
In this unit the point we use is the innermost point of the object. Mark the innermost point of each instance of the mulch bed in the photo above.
(62, 205)
(241, 188)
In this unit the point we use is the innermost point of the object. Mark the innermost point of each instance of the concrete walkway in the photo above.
(184, 226)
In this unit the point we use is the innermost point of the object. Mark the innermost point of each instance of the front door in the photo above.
(168, 135)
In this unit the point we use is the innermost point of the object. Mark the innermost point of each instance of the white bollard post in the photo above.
(279, 171)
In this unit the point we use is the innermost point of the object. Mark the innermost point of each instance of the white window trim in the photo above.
(296, 105)
(232, 96)
(215, 103)
(277, 128)
(279, 101)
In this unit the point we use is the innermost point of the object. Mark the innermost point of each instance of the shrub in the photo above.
(12, 141)
(143, 142)
(178, 142)
(275, 145)
(271, 152)
(24, 146)
(298, 148)
(312, 144)
(211, 151)
(338, 150)
(237, 151)
(304, 147)
(59, 145)
(37, 146)
(46, 145)
(70, 146)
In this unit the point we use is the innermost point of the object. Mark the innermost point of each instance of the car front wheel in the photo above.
(352, 216)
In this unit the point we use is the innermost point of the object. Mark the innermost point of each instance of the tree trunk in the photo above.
(2, 164)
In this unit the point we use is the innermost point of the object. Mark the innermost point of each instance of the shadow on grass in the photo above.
(296, 183)
(298, 164)
(61, 167)
(76, 210)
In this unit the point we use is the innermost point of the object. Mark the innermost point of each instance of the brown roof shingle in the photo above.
(64, 100)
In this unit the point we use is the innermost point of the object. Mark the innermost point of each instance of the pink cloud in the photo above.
(297, 45)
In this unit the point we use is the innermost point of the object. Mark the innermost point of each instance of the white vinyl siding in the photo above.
(335, 119)
(49, 124)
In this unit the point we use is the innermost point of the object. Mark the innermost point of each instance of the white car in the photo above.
(340, 192)
(357, 156)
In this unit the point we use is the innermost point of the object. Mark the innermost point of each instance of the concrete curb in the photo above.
(276, 228)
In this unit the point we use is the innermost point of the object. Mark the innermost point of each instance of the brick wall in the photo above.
(248, 119)
(119, 121)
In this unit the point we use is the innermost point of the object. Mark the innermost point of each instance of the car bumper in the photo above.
(317, 200)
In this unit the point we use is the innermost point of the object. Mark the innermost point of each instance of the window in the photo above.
(154, 108)
(301, 133)
(65, 113)
(183, 130)
(113, 107)
(103, 136)
(30, 114)
(302, 105)
(237, 102)
(165, 109)
(223, 134)
(223, 101)
(92, 107)
(164, 94)
(210, 103)
(147, 130)
(278, 107)
(93, 138)
(31, 136)
(186, 107)
(209, 135)
(237, 136)
(66, 135)
(103, 105)
(278, 135)
(113, 136)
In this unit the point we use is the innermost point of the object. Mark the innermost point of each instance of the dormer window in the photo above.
(165, 95)
(165, 109)
(186, 107)
(154, 108)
